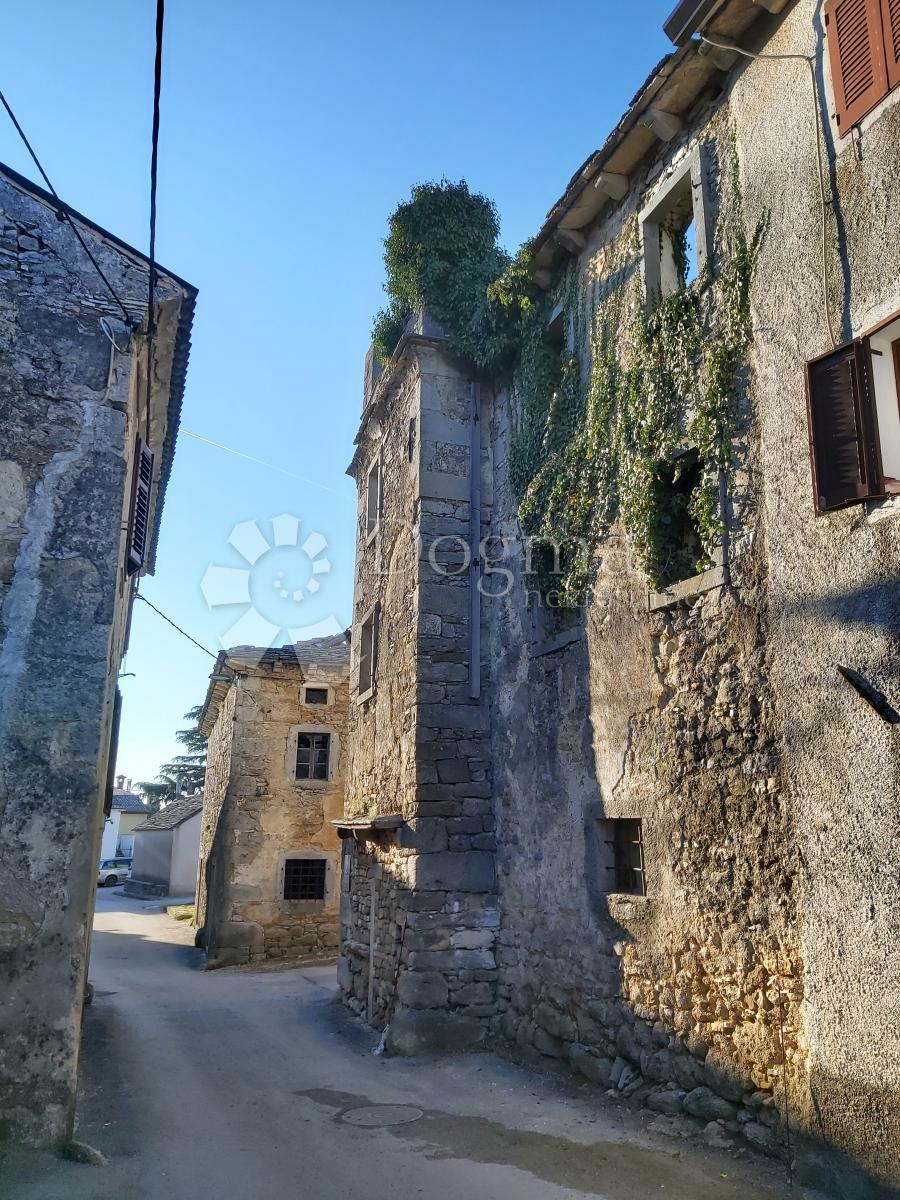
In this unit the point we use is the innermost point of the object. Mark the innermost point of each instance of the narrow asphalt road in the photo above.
(240, 1084)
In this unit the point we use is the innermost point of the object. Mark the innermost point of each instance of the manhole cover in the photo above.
(381, 1114)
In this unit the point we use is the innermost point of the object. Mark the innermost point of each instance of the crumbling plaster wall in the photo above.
(834, 591)
(67, 415)
(266, 814)
(688, 998)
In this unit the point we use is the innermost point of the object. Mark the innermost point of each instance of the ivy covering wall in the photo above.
(631, 418)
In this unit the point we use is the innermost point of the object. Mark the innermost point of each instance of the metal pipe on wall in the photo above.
(475, 542)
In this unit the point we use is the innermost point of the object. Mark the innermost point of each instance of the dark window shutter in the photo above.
(139, 520)
(890, 21)
(113, 752)
(376, 633)
(843, 431)
(856, 49)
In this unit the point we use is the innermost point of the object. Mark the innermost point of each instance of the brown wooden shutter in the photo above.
(139, 519)
(113, 752)
(843, 430)
(858, 66)
(890, 21)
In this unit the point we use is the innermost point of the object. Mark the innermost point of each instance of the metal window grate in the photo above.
(304, 879)
(312, 755)
(628, 856)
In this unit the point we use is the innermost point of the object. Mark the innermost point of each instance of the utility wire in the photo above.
(154, 160)
(183, 633)
(260, 461)
(63, 212)
(239, 672)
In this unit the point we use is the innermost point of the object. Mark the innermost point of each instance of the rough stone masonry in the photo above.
(269, 854)
(749, 979)
(72, 404)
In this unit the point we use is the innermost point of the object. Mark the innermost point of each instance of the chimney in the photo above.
(128, 785)
(120, 783)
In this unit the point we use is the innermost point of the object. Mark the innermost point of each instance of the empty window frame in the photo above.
(677, 545)
(853, 406)
(624, 856)
(368, 652)
(315, 695)
(864, 51)
(411, 439)
(674, 232)
(313, 753)
(373, 499)
(304, 878)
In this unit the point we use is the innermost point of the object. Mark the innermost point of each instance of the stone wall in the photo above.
(429, 951)
(688, 997)
(751, 984)
(833, 594)
(69, 416)
(256, 813)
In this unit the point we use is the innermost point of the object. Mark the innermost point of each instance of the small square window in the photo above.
(315, 695)
(312, 755)
(623, 858)
(304, 878)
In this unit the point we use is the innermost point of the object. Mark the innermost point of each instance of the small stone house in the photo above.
(655, 835)
(87, 441)
(166, 850)
(276, 721)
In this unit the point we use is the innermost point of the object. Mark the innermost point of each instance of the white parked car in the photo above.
(113, 871)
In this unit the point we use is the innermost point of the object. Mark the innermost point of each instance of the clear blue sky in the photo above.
(290, 130)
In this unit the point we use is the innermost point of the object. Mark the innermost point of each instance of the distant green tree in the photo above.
(185, 773)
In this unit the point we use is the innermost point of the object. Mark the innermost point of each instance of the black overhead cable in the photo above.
(183, 633)
(154, 156)
(64, 213)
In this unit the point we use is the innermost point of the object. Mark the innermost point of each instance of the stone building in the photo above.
(85, 455)
(269, 854)
(692, 785)
(167, 850)
(420, 908)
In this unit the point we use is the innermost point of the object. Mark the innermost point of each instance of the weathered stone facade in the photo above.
(258, 816)
(753, 984)
(419, 736)
(72, 403)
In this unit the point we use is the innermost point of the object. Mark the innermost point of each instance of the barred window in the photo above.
(304, 878)
(312, 755)
(624, 856)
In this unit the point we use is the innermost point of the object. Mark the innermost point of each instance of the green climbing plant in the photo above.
(632, 417)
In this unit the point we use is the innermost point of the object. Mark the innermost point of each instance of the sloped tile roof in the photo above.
(330, 654)
(331, 651)
(172, 815)
(129, 802)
